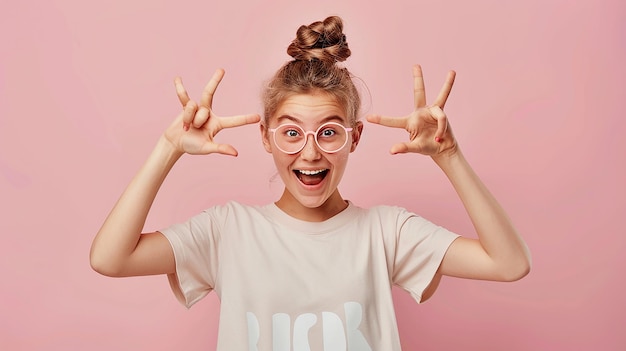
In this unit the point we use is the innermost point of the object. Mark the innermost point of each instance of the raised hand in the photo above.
(428, 128)
(194, 129)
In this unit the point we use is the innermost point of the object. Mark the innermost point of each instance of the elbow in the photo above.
(517, 266)
(101, 268)
(517, 271)
(104, 265)
(517, 274)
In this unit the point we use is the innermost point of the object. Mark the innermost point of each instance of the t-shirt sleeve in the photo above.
(420, 248)
(196, 246)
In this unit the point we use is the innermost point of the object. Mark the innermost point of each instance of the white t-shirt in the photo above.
(287, 284)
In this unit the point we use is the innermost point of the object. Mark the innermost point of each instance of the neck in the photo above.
(332, 206)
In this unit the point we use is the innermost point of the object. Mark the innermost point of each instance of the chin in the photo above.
(312, 196)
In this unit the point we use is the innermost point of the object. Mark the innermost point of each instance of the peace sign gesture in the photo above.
(194, 129)
(429, 132)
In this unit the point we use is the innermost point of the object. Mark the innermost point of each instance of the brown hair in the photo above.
(316, 50)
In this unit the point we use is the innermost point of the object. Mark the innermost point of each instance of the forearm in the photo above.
(496, 233)
(117, 238)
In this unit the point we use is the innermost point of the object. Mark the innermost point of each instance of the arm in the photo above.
(119, 248)
(499, 253)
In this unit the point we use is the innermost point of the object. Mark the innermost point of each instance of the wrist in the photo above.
(166, 150)
(453, 165)
(448, 157)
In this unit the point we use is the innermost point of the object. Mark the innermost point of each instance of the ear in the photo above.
(265, 137)
(356, 135)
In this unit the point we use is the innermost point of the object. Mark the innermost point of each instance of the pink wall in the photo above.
(86, 89)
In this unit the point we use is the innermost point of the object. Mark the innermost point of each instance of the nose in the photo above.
(310, 152)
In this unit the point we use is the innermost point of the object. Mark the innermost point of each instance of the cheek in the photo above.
(281, 160)
(340, 159)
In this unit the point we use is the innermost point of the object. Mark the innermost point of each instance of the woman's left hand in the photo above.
(428, 128)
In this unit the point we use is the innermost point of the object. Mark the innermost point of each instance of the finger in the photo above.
(399, 148)
(183, 97)
(224, 149)
(189, 113)
(442, 122)
(445, 90)
(240, 120)
(419, 93)
(201, 116)
(387, 121)
(209, 90)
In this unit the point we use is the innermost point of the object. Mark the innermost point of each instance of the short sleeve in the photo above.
(420, 248)
(196, 247)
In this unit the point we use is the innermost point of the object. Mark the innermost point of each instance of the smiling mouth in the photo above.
(311, 177)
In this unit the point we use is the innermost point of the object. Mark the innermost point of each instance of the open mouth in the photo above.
(311, 177)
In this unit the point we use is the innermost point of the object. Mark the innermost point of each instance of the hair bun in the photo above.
(323, 41)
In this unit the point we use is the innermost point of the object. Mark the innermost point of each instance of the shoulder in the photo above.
(236, 213)
(387, 220)
(232, 208)
(396, 220)
(386, 212)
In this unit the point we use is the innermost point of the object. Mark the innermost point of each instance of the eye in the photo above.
(328, 132)
(292, 133)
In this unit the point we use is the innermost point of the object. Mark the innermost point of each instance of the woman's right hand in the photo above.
(194, 129)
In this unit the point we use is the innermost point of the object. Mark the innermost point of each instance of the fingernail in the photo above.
(185, 127)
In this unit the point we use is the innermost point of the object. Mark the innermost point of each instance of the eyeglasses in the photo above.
(330, 137)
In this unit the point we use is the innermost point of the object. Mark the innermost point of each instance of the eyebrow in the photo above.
(324, 120)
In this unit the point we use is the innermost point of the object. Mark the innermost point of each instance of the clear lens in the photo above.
(330, 137)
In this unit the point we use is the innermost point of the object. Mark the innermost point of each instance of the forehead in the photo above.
(310, 108)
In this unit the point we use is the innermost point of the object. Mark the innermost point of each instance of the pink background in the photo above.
(86, 89)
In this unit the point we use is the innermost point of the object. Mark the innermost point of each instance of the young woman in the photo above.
(311, 271)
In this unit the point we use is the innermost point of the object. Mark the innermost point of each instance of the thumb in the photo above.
(399, 148)
(226, 149)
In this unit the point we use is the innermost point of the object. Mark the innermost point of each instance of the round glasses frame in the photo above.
(306, 136)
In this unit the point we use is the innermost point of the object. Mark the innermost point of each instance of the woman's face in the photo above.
(311, 176)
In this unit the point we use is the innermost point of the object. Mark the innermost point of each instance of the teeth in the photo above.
(311, 172)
